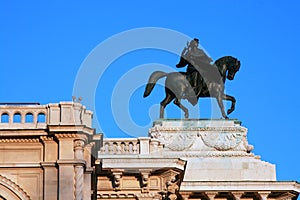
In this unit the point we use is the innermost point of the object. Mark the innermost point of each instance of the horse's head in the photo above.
(233, 68)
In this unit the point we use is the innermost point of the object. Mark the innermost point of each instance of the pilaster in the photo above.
(49, 166)
(71, 165)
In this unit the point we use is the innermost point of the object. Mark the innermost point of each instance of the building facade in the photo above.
(46, 151)
(52, 152)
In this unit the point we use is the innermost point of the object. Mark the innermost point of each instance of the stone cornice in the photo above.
(240, 186)
(48, 164)
(71, 129)
(203, 154)
(71, 162)
(71, 135)
(20, 165)
(22, 132)
(142, 163)
(198, 129)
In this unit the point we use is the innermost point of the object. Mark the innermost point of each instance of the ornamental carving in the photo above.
(20, 140)
(175, 141)
(221, 141)
(14, 187)
(202, 139)
(71, 135)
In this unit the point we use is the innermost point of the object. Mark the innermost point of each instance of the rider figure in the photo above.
(194, 56)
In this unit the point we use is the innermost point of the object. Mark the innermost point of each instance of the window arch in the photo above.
(17, 118)
(29, 118)
(4, 118)
(41, 118)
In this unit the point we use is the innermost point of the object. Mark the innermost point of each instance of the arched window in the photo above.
(4, 118)
(41, 118)
(17, 118)
(29, 118)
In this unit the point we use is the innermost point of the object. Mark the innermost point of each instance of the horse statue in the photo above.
(212, 83)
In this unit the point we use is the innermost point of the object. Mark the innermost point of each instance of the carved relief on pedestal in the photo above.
(176, 141)
(224, 141)
(189, 138)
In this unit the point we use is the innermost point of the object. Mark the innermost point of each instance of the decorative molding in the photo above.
(47, 138)
(71, 135)
(15, 188)
(198, 154)
(116, 195)
(197, 129)
(71, 162)
(20, 140)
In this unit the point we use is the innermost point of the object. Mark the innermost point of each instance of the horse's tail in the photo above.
(152, 81)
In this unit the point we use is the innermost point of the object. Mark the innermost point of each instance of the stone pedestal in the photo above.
(215, 150)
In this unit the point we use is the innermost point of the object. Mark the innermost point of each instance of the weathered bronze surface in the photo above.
(202, 79)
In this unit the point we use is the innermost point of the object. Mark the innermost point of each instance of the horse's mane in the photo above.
(225, 60)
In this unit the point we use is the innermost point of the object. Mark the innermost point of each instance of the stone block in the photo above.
(215, 150)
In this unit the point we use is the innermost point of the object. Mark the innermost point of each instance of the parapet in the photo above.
(35, 116)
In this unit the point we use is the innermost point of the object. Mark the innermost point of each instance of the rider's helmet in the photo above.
(194, 42)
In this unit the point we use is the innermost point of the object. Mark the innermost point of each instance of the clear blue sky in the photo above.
(45, 47)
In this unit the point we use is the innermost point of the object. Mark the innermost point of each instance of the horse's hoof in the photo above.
(229, 111)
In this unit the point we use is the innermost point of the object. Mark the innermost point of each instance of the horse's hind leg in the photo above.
(185, 110)
(233, 101)
(220, 102)
(164, 103)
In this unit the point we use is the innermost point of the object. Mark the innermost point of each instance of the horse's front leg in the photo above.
(233, 101)
(185, 110)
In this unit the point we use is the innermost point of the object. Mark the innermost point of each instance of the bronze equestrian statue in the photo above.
(209, 82)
